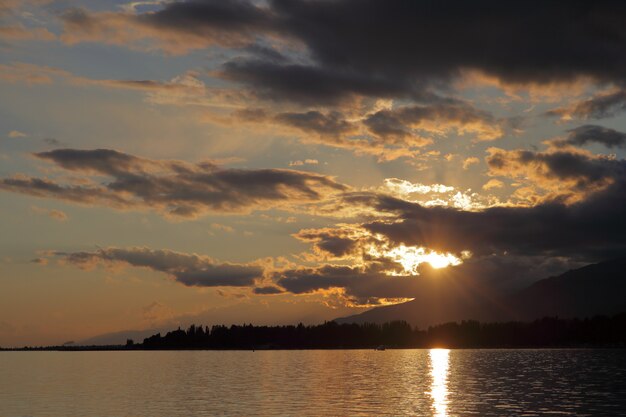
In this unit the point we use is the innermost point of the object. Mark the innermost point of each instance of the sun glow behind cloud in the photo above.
(434, 195)
(411, 257)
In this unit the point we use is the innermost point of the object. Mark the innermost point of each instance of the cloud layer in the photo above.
(589, 134)
(187, 269)
(390, 43)
(174, 188)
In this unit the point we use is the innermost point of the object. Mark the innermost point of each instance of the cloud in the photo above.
(40, 261)
(388, 134)
(222, 227)
(57, 215)
(299, 163)
(436, 194)
(177, 28)
(600, 106)
(587, 134)
(16, 134)
(580, 219)
(332, 125)
(592, 228)
(21, 33)
(365, 286)
(181, 26)
(405, 188)
(323, 52)
(173, 188)
(546, 42)
(341, 242)
(20, 72)
(437, 118)
(187, 269)
(333, 129)
(8, 7)
(330, 129)
(157, 312)
(269, 290)
(314, 85)
(185, 89)
(475, 279)
(509, 245)
(493, 183)
(569, 175)
(11, 11)
(51, 141)
(468, 162)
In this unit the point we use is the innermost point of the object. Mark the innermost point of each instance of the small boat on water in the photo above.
(381, 347)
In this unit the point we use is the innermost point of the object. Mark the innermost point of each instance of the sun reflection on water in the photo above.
(439, 363)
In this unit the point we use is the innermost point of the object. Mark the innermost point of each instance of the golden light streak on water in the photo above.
(439, 364)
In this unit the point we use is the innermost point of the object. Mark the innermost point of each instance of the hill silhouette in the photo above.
(591, 290)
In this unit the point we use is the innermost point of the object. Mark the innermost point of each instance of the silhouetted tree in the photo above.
(545, 332)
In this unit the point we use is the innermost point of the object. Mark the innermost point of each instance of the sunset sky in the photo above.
(212, 161)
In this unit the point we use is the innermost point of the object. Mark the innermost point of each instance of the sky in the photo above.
(274, 162)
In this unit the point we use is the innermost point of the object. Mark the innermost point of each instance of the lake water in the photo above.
(313, 383)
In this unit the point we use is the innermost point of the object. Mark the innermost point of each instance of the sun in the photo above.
(410, 257)
(439, 260)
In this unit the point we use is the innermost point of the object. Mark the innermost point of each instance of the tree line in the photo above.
(599, 331)
(545, 332)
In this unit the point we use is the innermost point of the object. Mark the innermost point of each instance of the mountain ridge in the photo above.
(598, 288)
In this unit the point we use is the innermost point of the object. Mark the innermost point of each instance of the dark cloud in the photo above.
(99, 161)
(600, 106)
(266, 53)
(399, 123)
(588, 134)
(173, 187)
(51, 141)
(593, 228)
(333, 128)
(315, 85)
(306, 280)
(565, 170)
(336, 243)
(482, 277)
(510, 246)
(581, 218)
(178, 26)
(188, 269)
(269, 290)
(514, 40)
(389, 134)
(332, 124)
(383, 48)
(235, 16)
(45, 188)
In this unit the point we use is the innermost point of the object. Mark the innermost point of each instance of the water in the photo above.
(313, 383)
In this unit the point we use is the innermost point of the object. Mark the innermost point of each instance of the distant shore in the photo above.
(123, 348)
(548, 332)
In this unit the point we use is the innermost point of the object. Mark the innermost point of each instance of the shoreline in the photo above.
(122, 348)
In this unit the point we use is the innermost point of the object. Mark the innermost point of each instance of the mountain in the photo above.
(120, 338)
(594, 289)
